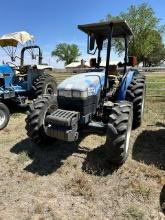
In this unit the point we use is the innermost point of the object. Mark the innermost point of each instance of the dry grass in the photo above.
(23, 157)
(133, 213)
(72, 181)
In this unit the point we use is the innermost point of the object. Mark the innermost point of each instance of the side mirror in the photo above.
(92, 42)
(93, 62)
(132, 61)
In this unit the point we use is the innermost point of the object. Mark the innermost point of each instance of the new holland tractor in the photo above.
(21, 82)
(115, 102)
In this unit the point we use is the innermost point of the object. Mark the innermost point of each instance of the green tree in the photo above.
(66, 52)
(157, 55)
(143, 22)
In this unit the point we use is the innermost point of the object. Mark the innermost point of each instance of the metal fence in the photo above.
(155, 84)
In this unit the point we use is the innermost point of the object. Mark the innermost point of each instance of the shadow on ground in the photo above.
(96, 163)
(48, 160)
(162, 199)
(149, 148)
(16, 108)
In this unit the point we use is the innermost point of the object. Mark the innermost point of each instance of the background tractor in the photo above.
(21, 82)
(101, 95)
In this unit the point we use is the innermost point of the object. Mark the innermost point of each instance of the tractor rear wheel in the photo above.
(44, 84)
(35, 121)
(4, 115)
(118, 132)
(136, 93)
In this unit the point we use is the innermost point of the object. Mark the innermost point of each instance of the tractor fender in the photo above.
(127, 79)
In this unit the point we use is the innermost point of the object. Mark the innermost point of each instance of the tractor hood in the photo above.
(92, 82)
(5, 69)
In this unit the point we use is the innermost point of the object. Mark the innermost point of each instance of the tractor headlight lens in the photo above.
(78, 94)
(74, 94)
(84, 94)
(61, 92)
(65, 93)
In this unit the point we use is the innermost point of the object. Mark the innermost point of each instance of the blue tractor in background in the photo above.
(100, 95)
(21, 82)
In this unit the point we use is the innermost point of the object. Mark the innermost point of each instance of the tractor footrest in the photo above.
(63, 125)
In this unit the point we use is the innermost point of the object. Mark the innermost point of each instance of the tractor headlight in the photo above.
(84, 94)
(78, 94)
(74, 93)
(65, 93)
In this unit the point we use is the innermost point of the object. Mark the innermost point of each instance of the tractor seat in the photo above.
(23, 70)
(113, 70)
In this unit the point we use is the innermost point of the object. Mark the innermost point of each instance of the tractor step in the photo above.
(63, 125)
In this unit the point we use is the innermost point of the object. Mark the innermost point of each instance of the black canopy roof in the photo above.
(120, 29)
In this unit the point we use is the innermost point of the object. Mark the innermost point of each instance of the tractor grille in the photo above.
(63, 117)
(63, 125)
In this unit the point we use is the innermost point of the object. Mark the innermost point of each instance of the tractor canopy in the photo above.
(98, 33)
(10, 42)
(13, 39)
(120, 29)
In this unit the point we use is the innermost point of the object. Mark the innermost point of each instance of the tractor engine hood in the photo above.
(5, 70)
(82, 85)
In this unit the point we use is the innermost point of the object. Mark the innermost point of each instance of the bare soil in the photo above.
(73, 181)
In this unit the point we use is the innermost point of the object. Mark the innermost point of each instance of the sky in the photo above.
(55, 21)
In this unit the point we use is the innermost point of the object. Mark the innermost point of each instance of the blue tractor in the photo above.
(99, 95)
(21, 82)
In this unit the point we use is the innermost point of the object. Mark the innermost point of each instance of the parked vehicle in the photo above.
(21, 82)
(114, 101)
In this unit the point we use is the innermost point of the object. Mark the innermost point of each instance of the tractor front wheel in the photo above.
(4, 115)
(118, 132)
(35, 121)
(44, 84)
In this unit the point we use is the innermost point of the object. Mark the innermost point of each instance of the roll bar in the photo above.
(31, 47)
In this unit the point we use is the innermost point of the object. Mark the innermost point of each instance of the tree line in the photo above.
(146, 44)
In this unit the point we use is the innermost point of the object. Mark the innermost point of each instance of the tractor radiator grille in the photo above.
(63, 117)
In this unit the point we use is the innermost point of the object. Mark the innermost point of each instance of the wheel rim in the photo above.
(143, 103)
(2, 117)
(49, 90)
(129, 128)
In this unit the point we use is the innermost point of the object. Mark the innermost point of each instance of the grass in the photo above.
(54, 184)
(155, 82)
(81, 185)
(133, 213)
(23, 157)
(141, 188)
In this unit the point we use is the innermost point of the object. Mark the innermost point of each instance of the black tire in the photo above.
(35, 121)
(118, 132)
(4, 116)
(44, 84)
(136, 93)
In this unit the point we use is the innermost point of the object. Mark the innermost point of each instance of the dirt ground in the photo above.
(72, 181)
